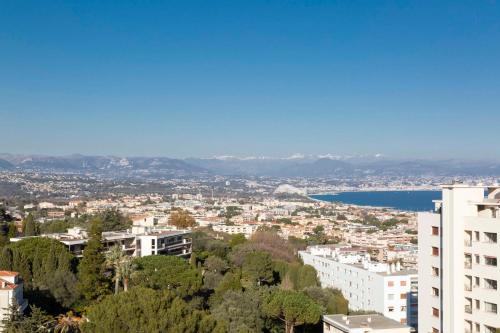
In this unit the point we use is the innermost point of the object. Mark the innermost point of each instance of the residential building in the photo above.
(458, 261)
(136, 242)
(245, 229)
(372, 323)
(371, 286)
(11, 287)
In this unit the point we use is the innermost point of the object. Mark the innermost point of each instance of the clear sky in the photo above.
(202, 78)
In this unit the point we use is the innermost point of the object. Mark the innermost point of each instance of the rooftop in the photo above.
(374, 321)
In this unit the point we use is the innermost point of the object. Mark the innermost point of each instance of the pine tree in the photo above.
(92, 283)
(6, 259)
(30, 227)
(13, 319)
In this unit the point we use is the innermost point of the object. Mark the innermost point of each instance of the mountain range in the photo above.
(294, 166)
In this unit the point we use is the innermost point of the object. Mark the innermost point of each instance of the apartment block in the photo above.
(458, 261)
(371, 286)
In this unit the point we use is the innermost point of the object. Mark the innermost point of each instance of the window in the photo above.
(435, 251)
(435, 312)
(478, 304)
(402, 283)
(390, 309)
(435, 271)
(478, 259)
(403, 308)
(490, 284)
(435, 231)
(490, 261)
(435, 291)
(390, 297)
(390, 283)
(476, 236)
(489, 329)
(402, 296)
(490, 237)
(490, 307)
(435, 330)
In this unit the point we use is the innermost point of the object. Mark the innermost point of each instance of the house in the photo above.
(11, 288)
(372, 323)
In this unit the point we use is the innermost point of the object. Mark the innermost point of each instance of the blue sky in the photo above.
(202, 78)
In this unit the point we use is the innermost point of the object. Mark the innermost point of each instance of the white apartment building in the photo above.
(11, 287)
(245, 229)
(458, 261)
(136, 242)
(372, 323)
(367, 285)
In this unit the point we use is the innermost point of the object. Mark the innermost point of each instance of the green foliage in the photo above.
(258, 268)
(4, 216)
(298, 276)
(113, 219)
(294, 308)
(55, 226)
(236, 240)
(332, 300)
(143, 310)
(46, 268)
(30, 226)
(232, 211)
(241, 311)
(167, 273)
(92, 283)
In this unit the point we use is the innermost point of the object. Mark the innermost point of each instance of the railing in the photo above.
(467, 242)
(467, 287)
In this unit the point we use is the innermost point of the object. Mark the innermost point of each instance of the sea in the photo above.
(417, 201)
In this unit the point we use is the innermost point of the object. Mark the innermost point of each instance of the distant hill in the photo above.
(296, 166)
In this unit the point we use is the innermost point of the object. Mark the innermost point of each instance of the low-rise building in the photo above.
(245, 229)
(372, 323)
(11, 288)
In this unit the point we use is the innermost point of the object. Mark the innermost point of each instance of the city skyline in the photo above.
(200, 79)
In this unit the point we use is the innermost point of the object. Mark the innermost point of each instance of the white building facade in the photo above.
(458, 269)
(370, 286)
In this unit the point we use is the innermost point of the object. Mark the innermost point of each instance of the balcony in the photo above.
(468, 309)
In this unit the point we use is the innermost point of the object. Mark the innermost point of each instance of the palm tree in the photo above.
(127, 268)
(68, 323)
(114, 259)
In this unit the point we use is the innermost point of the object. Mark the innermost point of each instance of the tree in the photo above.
(114, 259)
(143, 310)
(331, 299)
(113, 219)
(237, 240)
(30, 226)
(293, 308)
(181, 219)
(68, 323)
(167, 273)
(13, 319)
(241, 311)
(92, 283)
(258, 268)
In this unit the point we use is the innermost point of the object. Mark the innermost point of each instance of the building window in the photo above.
(435, 231)
(476, 236)
(490, 261)
(467, 261)
(402, 296)
(489, 329)
(435, 251)
(435, 271)
(403, 308)
(390, 309)
(490, 237)
(390, 283)
(490, 307)
(435, 291)
(402, 283)
(490, 284)
(435, 312)
(435, 330)
(390, 297)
